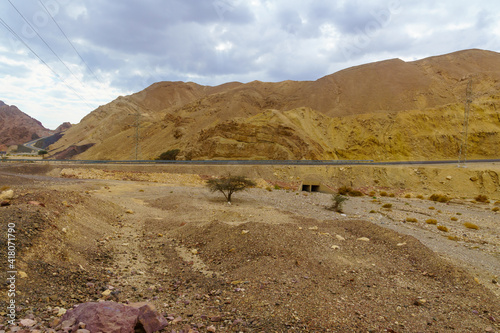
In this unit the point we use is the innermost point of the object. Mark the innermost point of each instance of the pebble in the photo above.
(129, 211)
(27, 322)
(61, 312)
(364, 239)
(335, 247)
(340, 238)
(211, 328)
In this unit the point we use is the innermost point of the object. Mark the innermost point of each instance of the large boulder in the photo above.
(111, 317)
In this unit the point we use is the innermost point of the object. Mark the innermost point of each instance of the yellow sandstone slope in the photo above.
(389, 110)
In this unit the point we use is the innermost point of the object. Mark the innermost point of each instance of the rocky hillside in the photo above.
(16, 127)
(387, 110)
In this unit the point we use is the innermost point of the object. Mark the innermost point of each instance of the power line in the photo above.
(70, 43)
(46, 44)
(43, 62)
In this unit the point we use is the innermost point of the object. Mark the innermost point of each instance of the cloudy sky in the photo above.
(61, 59)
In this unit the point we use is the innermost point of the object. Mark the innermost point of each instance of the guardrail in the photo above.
(251, 162)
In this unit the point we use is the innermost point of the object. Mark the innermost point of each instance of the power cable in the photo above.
(43, 62)
(70, 43)
(46, 44)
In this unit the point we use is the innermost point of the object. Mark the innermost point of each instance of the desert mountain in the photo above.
(16, 127)
(386, 110)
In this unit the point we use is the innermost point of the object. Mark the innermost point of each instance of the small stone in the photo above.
(489, 329)
(176, 320)
(474, 179)
(68, 323)
(194, 251)
(244, 232)
(420, 302)
(211, 328)
(64, 230)
(449, 177)
(7, 195)
(106, 293)
(401, 244)
(82, 330)
(22, 274)
(364, 239)
(216, 319)
(61, 312)
(4, 203)
(335, 247)
(129, 211)
(313, 228)
(27, 322)
(340, 238)
(82, 325)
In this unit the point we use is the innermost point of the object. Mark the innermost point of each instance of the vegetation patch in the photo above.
(344, 190)
(442, 228)
(431, 221)
(470, 225)
(439, 198)
(482, 198)
(387, 205)
(411, 219)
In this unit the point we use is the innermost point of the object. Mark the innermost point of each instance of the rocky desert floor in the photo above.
(275, 260)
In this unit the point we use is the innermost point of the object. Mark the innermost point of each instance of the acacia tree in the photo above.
(229, 184)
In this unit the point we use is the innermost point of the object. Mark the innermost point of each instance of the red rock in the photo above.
(111, 317)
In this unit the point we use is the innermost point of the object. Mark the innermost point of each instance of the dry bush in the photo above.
(442, 228)
(4, 188)
(387, 205)
(431, 221)
(408, 196)
(439, 198)
(432, 208)
(495, 209)
(481, 198)
(453, 238)
(469, 225)
(344, 190)
(383, 194)
(372, 193)
(411, 219)
(420, 196)
(454, 218)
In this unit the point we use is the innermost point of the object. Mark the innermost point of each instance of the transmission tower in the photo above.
(462, 155)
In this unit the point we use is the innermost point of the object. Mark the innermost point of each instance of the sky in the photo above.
(61, 59)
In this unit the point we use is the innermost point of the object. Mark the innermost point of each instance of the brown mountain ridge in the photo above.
(16, 127)
(388, 110)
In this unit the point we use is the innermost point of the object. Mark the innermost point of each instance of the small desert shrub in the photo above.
(4, 188)
(372, 211)
(454, 218)
(387, 205)
(383, 194)
(169, 155)
(411, 219)
(337, 203)
(453, 238)
(495, 209)
(372, 193)
(344, 190)
(481, 198)
(408, 196)
(432, 208)
(442, 228)
(269, 189)
(439, 198)
(277, 187)
(431, 221)
(469, 225)
(420, 196)
(459, 213)
(392, 195)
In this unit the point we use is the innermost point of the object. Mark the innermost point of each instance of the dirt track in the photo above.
(273, 261)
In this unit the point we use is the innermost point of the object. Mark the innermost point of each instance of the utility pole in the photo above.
(462, 155)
